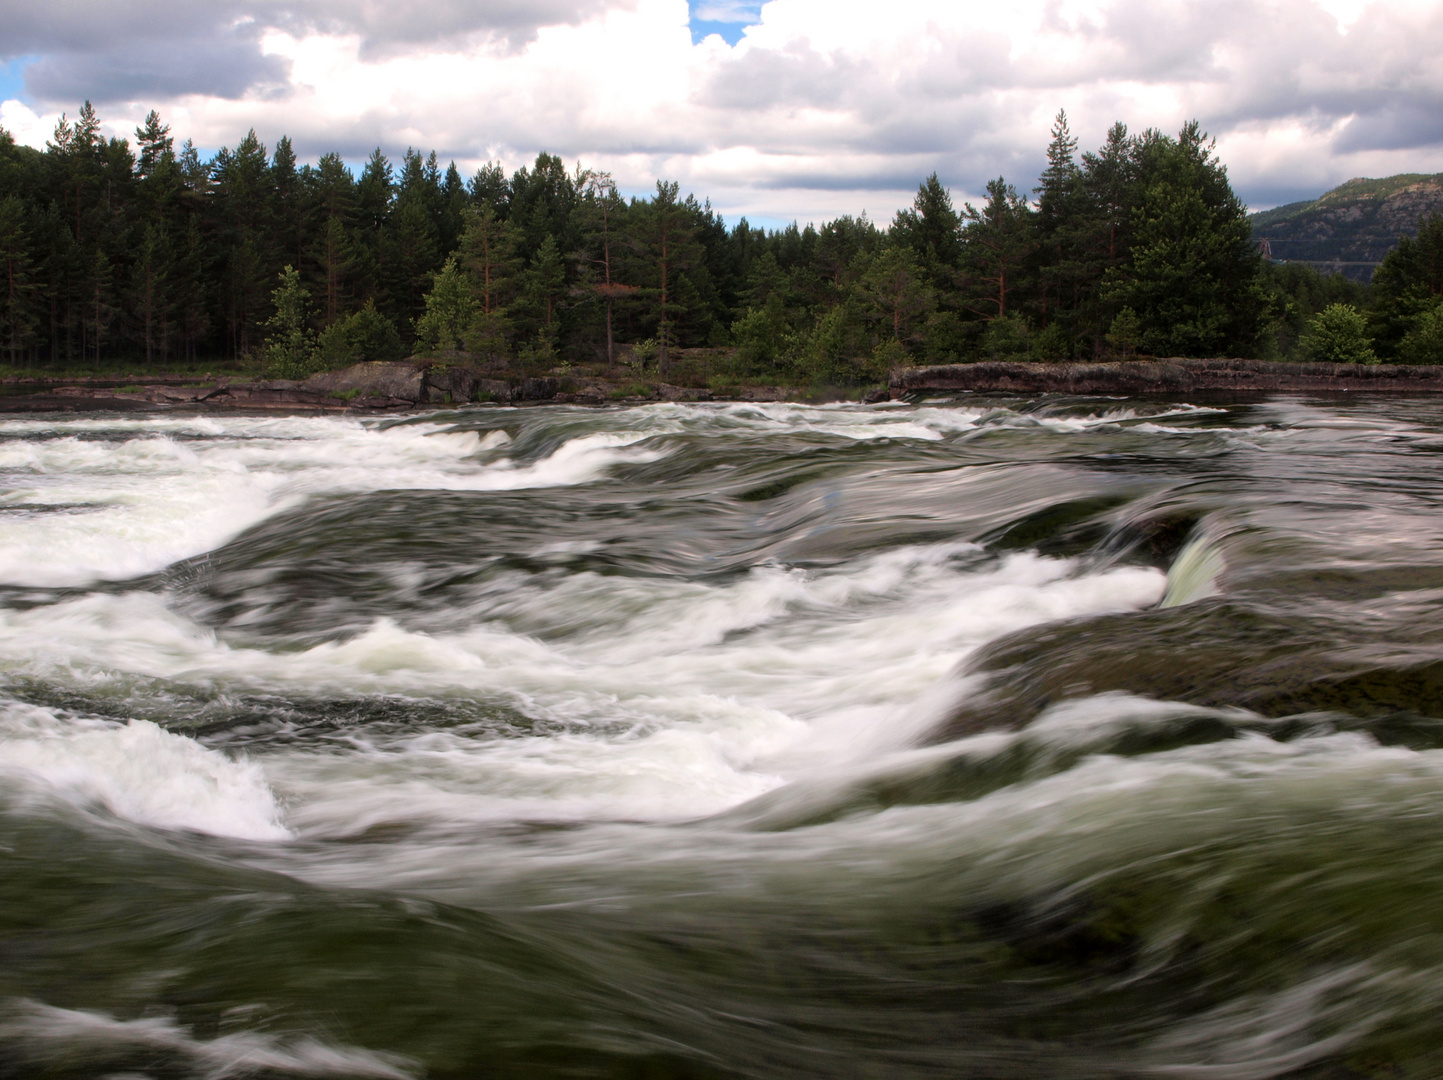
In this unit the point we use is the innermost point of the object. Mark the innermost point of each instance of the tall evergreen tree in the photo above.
(1408, 283)
(1193, 279)
(18, 317)
(997, 245)
(932, 228)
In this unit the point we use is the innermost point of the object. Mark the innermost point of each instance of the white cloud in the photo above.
(25, 124)
(824, 106)
(728, 11)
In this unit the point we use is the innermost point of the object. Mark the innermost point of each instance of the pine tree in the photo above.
(666, 237)
(996, 247)
(17, 312)
(153, 143)
(1193, 276)
(545, 287)
(601, 207)
(896, 295)
(487, 253)
(287, 202)
(1061, 230)
(148, 292)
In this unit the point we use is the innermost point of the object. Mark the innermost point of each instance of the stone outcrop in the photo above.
(370, 378)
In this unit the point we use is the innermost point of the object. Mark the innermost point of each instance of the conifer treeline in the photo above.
(115, 251)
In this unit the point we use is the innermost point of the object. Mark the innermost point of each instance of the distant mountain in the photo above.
(1351, 228)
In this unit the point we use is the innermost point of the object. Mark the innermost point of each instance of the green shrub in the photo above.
(364, 335)
(1051, 343)
(1339, 335)
(643, 352)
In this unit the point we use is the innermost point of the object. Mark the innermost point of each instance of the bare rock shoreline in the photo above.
(1175, 376)
(378, 386)
(373, 386)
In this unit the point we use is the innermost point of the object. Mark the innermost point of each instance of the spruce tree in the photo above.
(289, 345)
(450, 310)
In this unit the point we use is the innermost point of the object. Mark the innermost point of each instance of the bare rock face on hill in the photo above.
(1350, 229)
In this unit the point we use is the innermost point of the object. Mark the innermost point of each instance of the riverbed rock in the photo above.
(450, 383)
(667, 392)
(543, 389)
(371, 378)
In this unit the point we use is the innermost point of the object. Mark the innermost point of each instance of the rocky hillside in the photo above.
(1352, 227)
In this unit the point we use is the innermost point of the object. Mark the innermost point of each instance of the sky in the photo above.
(784, 110)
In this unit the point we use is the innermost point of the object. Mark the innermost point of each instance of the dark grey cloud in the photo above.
(124, 50)
(1402, 125)
(227, 66)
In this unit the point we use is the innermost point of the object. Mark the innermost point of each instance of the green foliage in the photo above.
(290, 347)
(761, 334)
(1423, 344)
(1296, 293)
(1125, 333)
(828, 352)
(1051, 344)
(643, 353)
(363, 335)
(1007, 337)
(1194, 277)
(113, 254)
(888, 355)
(1339, 335)
(945, 337)
(451, 309)
(1407, 284)
(894, 295)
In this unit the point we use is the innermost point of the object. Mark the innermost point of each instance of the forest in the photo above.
(146, 255)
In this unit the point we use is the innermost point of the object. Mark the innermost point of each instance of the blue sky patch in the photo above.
(12, 77)
(725, 17)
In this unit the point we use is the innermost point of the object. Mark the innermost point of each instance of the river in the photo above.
(976, 737)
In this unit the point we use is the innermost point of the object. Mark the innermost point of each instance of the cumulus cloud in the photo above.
(109, 51)
(820, 107)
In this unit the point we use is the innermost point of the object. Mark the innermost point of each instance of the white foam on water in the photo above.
(137, 771)
(139, 495)
(1250, 796)
(43, 1034)
(678, 699)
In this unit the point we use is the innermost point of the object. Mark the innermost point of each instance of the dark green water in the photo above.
(977, 738)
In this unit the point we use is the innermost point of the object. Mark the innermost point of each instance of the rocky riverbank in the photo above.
(371, 386)
(1175, 376)
(401, 385)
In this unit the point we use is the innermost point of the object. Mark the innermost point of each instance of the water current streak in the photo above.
(974, 737)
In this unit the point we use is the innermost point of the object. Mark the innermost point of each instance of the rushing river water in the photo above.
(973, 738)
